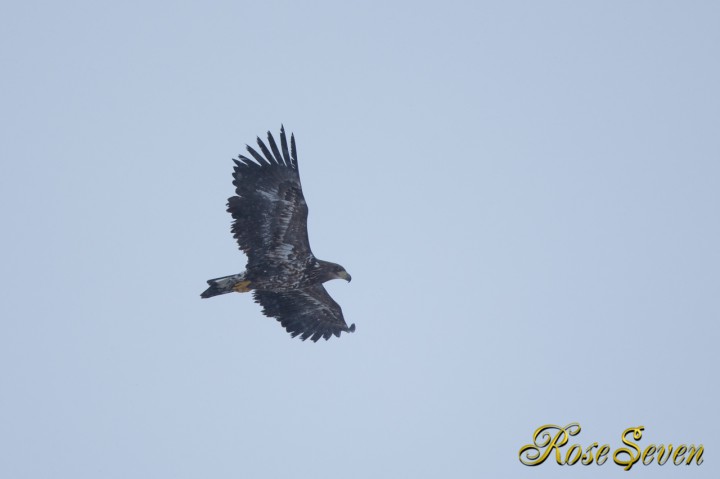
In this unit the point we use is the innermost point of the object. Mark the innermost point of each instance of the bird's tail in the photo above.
(226, 284)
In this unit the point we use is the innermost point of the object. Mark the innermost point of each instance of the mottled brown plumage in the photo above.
(270, 226)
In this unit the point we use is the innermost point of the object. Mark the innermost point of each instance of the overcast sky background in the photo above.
(525, 193)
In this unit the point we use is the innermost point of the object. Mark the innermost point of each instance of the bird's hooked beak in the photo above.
(344, 275)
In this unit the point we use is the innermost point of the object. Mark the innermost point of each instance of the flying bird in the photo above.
(270, 225)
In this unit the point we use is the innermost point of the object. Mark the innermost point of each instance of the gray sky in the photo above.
(525, 193)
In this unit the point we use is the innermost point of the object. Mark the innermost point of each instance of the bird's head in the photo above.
(342, 274)
(334, 271)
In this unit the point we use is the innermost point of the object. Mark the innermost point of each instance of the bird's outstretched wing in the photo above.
(269, 210)
(309, 313)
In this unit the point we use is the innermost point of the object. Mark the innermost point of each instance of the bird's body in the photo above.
(270, 225)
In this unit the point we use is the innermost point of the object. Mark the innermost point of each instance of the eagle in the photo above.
(270, 226)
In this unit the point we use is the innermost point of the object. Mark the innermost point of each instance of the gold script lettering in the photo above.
(662, 458)
(647, 457)
(587, 458)
(544, 443)
(602, 454)
(679, 454)
(631, 459)
(691, 453)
